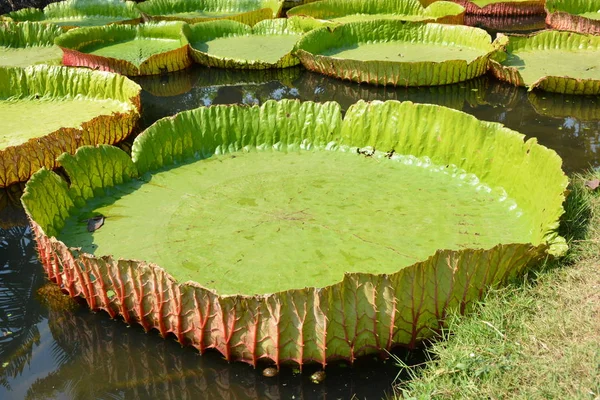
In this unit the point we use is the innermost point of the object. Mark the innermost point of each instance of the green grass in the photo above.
(537, 338)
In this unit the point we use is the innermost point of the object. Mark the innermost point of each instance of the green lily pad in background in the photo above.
(499, 7)
(147, 49)
(563, 62)
(390, 52)
(28, 43)
(76, 13)
(46, 111)
(230, 44)
(574, 15)
(286, 232)
(248, 11)
(343, 11)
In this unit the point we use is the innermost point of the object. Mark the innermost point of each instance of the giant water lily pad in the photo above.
(563, 62)
(230, 44)
(147, 49)
(28, 43)
(46, 111)
(499, 7)
(247, 12)
(287, 233)
(343, 11)
(76, 13)
(399, 53)
(574, 15)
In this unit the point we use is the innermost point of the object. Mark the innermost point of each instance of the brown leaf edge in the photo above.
(568, 22)
(500, 9)
(170, 61)
(18, 163)
(362, 314)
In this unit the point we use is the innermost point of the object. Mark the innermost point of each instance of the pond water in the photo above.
(48, 352)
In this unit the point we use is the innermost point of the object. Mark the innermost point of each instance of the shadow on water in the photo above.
(50, 352)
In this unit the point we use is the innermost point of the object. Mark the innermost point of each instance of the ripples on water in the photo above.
(47, 352)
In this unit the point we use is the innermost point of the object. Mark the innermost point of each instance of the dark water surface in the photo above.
(47, 352)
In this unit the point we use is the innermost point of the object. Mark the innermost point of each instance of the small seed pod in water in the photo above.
(318, 377)
(270, 372)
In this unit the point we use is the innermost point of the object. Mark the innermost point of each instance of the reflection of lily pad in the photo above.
(28, 43)
(147, 49)
(46, 111)
(556, 105)
(399, 53)
(343, 11)
(531, 61)
(283, 227)
(230, 44)
(11, 210)
(500, 7)
(323, 88)
(171, 84)
(76, 13)
(574, 15)
(247, 11)
(224, 86)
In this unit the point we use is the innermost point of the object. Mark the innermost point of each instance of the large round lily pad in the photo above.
(285, 232)
(76, 13)
(46, 111)
(230, 44)
(563, 62)
(499, 7)
(28, 43)
(574, 15)
(343, 11)
(147, 49)
(247, 11)
(389, 52)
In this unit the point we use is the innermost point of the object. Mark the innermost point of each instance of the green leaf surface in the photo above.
(65, 108)
(392, 52)
(530, 61)
(248, 12)
(75, 13)
(230, 44)
(28, 43)
(343, 11)
(146, 49)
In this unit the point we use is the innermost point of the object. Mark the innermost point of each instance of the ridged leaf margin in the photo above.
(73, 41)
(563, 15)
(18, 163)
(363, 313)
(390, 72)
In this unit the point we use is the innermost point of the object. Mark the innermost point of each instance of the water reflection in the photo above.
(126, 363)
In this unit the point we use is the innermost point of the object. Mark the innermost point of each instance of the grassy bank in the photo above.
(538, 338)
